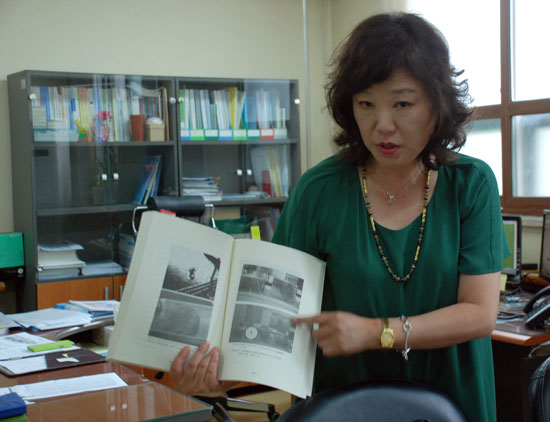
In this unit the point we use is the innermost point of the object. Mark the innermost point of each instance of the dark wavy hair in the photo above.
(377, 47)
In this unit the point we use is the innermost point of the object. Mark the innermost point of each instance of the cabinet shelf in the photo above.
(95, 209)
(84, 145)
(240, 143)
(76, 278)
(128, 144)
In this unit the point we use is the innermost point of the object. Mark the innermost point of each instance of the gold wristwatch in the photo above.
(387, 338)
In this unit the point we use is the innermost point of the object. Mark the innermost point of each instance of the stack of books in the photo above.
(59, 260)
(270, 167)
(207, 187)
(75, 106)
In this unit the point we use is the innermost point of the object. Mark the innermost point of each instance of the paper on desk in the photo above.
(25, 366)
(6, 322)
(14, 346)
(54, 388)
(50, 318)
(97, 305)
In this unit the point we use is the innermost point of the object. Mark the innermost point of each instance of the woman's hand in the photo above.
(200, 375)
(342, 333)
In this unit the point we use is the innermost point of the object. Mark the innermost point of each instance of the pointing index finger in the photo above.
(313, 319)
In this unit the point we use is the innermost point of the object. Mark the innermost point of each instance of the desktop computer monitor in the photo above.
(12, 256)
(544, 265)
(511, 266)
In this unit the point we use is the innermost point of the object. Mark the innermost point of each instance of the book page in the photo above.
(269, 285)
(175, 291)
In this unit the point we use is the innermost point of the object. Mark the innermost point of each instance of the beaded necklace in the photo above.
(385, 261)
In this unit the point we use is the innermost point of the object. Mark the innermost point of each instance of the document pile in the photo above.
(96, 309)
(207, 187)
(6, 323)
(59, 260)
(50, 318)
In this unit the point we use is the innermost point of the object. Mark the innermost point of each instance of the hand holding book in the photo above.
(198, 374)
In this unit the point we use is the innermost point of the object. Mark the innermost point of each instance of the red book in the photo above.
(266, 182)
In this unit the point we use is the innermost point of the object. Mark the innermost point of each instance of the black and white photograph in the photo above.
(270, 287)
(264, 326)
(184, 307)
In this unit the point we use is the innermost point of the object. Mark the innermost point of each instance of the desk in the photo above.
(140, 400)
(512, 344)
(515, 332)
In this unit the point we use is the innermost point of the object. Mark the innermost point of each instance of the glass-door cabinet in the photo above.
(239, 141)
(86, 150)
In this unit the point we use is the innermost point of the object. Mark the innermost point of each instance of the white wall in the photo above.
(206, 38)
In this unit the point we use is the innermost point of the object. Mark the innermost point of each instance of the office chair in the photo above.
(192, 206)
(539, 393)
(189, 206)
(388, 401)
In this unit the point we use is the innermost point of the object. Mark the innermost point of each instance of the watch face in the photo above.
(387, 339)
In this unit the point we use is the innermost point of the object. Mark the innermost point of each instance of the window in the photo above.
(498, 46)
(531, 155)
(529, 64)
(484, 142)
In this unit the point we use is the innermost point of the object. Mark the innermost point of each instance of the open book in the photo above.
(188, 282)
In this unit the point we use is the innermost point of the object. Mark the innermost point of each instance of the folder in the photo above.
(51, 361)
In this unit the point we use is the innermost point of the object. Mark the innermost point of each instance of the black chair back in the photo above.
(391, 401)
(539, 393)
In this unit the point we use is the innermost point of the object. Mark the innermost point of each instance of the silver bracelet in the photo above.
(407, 327)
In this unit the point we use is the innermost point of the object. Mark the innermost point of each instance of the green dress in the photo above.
(326, 217)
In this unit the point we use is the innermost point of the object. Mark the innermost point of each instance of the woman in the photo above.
(411, 231)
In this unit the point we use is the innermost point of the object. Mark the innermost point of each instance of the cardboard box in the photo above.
(154, 132)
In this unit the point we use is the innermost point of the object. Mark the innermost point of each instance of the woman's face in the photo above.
(395, 119)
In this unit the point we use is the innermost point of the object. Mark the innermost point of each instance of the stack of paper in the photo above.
(50, 318)
(6, 322)
(96, 309)
(102, 267)
(59, 259)
(207, 187)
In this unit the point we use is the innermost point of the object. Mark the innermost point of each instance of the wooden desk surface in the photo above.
(127, 375)
(514, 331)
(141, 400)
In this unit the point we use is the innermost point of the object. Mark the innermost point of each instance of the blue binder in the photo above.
(12, 405)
